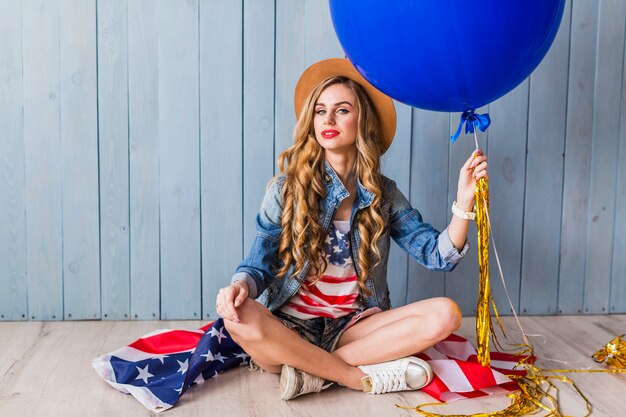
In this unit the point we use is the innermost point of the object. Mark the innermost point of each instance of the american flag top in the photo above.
(159, 368)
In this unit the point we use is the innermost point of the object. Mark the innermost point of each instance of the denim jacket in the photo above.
(429, 247)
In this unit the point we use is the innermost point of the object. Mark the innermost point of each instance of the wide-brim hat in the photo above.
(332, 67)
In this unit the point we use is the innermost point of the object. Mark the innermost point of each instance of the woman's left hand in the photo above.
(473, 169)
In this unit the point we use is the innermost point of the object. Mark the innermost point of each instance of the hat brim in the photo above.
(332, 67)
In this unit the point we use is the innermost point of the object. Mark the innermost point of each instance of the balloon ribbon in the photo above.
(471, 121)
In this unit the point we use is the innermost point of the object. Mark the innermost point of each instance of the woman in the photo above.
(317, 266)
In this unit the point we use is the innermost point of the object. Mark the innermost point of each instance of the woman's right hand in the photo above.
(231, 297)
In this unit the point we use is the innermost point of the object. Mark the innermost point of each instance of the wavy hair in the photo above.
(302, 235)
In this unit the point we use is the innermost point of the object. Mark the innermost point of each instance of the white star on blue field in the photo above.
(337, 246)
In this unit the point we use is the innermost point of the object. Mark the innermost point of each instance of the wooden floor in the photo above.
(46, 371)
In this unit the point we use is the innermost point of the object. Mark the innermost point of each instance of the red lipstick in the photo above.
(329, 133)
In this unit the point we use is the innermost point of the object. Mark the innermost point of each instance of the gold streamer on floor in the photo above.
(537, 393)
(613, 353)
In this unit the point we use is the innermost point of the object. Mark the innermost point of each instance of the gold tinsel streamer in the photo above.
(484, 327)
(537, 391)
(613, 353)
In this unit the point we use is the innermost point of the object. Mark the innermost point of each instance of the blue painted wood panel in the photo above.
(179, 160)
(13, 284)
(79, 144)
(544, 179)
(114, 169)
(577, 156)
(221, 141)
(604, 150)
(618, 271)
(144, 165)
(43, 179)
(137, 138)
(507, 157)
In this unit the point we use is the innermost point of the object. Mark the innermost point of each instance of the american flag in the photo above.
(458, 374)
(158, 368)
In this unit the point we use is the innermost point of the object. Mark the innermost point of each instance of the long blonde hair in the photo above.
(302, 235)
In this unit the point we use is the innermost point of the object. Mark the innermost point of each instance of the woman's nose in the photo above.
(329, 120)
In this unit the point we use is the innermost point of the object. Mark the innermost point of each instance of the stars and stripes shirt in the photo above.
(336, 293)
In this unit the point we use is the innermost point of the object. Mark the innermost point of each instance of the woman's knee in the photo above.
(251, 318)
(442, 318)
(447, 314)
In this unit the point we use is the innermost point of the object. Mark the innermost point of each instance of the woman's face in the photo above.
(336, 119)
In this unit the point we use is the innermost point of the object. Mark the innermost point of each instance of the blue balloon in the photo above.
(446, 55)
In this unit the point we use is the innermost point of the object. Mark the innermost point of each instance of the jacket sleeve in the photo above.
(422, 241)
(257, 269)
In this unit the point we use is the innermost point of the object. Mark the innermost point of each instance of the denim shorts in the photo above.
(323, 332)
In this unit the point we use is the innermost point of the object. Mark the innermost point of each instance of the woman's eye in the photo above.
(321, 112)
(342, 111)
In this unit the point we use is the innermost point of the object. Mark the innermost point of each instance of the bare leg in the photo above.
(271, 345)
(399, 332)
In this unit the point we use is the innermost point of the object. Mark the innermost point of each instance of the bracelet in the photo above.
(465, 215)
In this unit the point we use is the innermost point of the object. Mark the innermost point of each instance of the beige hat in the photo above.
(332, 67)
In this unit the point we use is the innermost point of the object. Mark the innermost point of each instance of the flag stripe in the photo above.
(337, 280)
(452, 375)
(476, 375)
(173, 341)
(333, 299)
(312, 312)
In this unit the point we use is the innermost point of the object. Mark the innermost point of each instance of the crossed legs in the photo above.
(378, 338)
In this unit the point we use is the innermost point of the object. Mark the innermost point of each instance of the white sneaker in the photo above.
(404, 374)
(294, 382)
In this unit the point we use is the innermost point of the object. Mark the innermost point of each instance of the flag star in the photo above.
(336, 249)
(215, 374)
(199, 379)
(243, 356)
(219, 334)
(144, 374)
(327, 239)
(160, 357)
(219, 357)
(209, 356)
(340, 235)
(180, 390)
(183, 366)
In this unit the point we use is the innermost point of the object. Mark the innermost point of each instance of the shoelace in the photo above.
(252, 366)
(311, 383)
(388, 380)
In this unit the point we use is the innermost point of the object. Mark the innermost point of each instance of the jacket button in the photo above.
(327, 178)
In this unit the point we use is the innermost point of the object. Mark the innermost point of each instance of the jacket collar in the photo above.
(336, 191)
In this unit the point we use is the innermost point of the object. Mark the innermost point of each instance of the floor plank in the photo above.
(45, 369)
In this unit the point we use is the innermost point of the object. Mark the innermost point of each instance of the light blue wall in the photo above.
(137, 137)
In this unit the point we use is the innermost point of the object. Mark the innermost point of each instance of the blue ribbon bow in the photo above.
(472, 121)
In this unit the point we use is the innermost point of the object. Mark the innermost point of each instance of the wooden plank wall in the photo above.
(137, 138)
